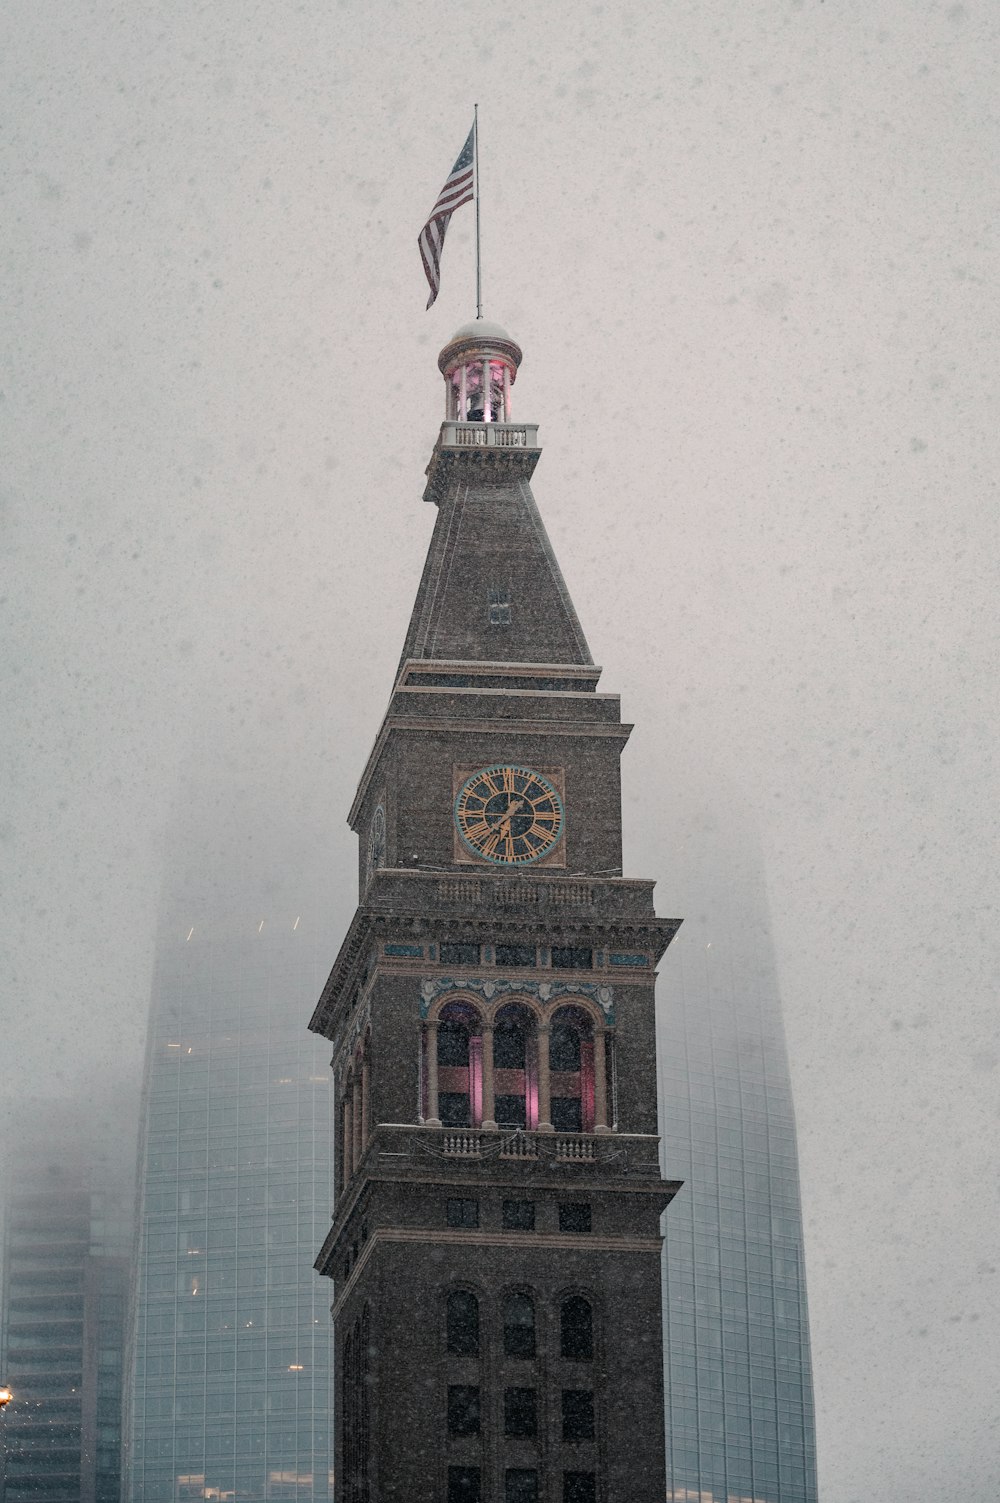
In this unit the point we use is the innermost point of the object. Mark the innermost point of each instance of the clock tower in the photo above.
(495, 1247)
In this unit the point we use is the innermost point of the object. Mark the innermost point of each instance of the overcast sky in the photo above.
(750, 252)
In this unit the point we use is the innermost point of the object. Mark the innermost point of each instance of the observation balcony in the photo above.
(633, 1154)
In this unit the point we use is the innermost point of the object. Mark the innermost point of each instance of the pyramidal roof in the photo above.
(491, 589)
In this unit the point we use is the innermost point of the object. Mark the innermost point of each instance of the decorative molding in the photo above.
(545, 991)
(630, 960)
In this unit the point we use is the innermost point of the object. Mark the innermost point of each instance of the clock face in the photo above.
(509, 815)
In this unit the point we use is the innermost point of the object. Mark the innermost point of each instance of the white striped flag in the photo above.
(459, 189)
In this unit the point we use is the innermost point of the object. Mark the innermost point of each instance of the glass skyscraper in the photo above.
(63, 1302)
(232, 1383)
(740, 1422)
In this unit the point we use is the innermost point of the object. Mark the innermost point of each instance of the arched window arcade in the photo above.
(515, 1065)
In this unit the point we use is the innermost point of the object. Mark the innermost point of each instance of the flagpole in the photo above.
(479, 277)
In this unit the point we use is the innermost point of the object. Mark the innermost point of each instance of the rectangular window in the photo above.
(464, 1485)
(509, 955)
(463, 1213)
(510, 1111)
(574, 1216)
(520, 1411)
(579, 1487)
(520, 1485)
(453, 1108)
(572, 958)
(567, 1114)
(463, 1410)
(519, 1215)
(459, 954)
(577, 1414)
(499, 607)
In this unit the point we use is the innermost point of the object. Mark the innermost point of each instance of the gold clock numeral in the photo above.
(508, 780)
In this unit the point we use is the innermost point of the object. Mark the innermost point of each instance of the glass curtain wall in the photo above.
(740, 1423)
(232, 1385)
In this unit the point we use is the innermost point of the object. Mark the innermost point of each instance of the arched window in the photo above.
(463, 1323)
(576, 1329)
(515, 1072)
(571, 1066)
(519, 1325)
(460, 1066)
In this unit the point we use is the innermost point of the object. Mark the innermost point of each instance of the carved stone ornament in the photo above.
(545, 991)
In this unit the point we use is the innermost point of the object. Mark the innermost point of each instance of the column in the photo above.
(462, 395)
(487, 394)
(489, 1098)
(506, 393)
(601, 1082)
(433, 1120)
(544, 1087)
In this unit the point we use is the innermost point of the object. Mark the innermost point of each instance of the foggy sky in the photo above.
(749, 251)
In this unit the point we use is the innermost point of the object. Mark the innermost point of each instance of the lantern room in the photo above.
(479, 364)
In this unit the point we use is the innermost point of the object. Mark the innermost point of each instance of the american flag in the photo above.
(458, 190)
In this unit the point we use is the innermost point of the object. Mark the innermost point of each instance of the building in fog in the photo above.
(495, 1249)
(67, 1236)
(740, 1422)
(231, 1390)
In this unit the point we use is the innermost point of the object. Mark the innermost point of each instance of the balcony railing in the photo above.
(489, 435)
(635, 1152)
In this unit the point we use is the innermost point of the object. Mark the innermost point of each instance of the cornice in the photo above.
(539, 1242)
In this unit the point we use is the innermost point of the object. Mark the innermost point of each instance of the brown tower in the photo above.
(495, 1243)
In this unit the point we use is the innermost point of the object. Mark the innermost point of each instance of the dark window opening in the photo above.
(514, 954)
(519, 1215)
(577, 1414)
(464, 1485)
(463, 1409)
(453, 1044)
(576, 1329)
(574, 1216)
(510, 1111)
(520, 1485)
(463, 1213)
(508, 1046)
(453, 1108)
(571, 958)
(499, 607)
(463, 1323)
(564, 1047)
(459, 954)
(520, 1411)
(578, 1487)
(519, 1326)
(567, 1114)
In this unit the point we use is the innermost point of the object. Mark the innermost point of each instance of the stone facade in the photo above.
(496, 1236)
